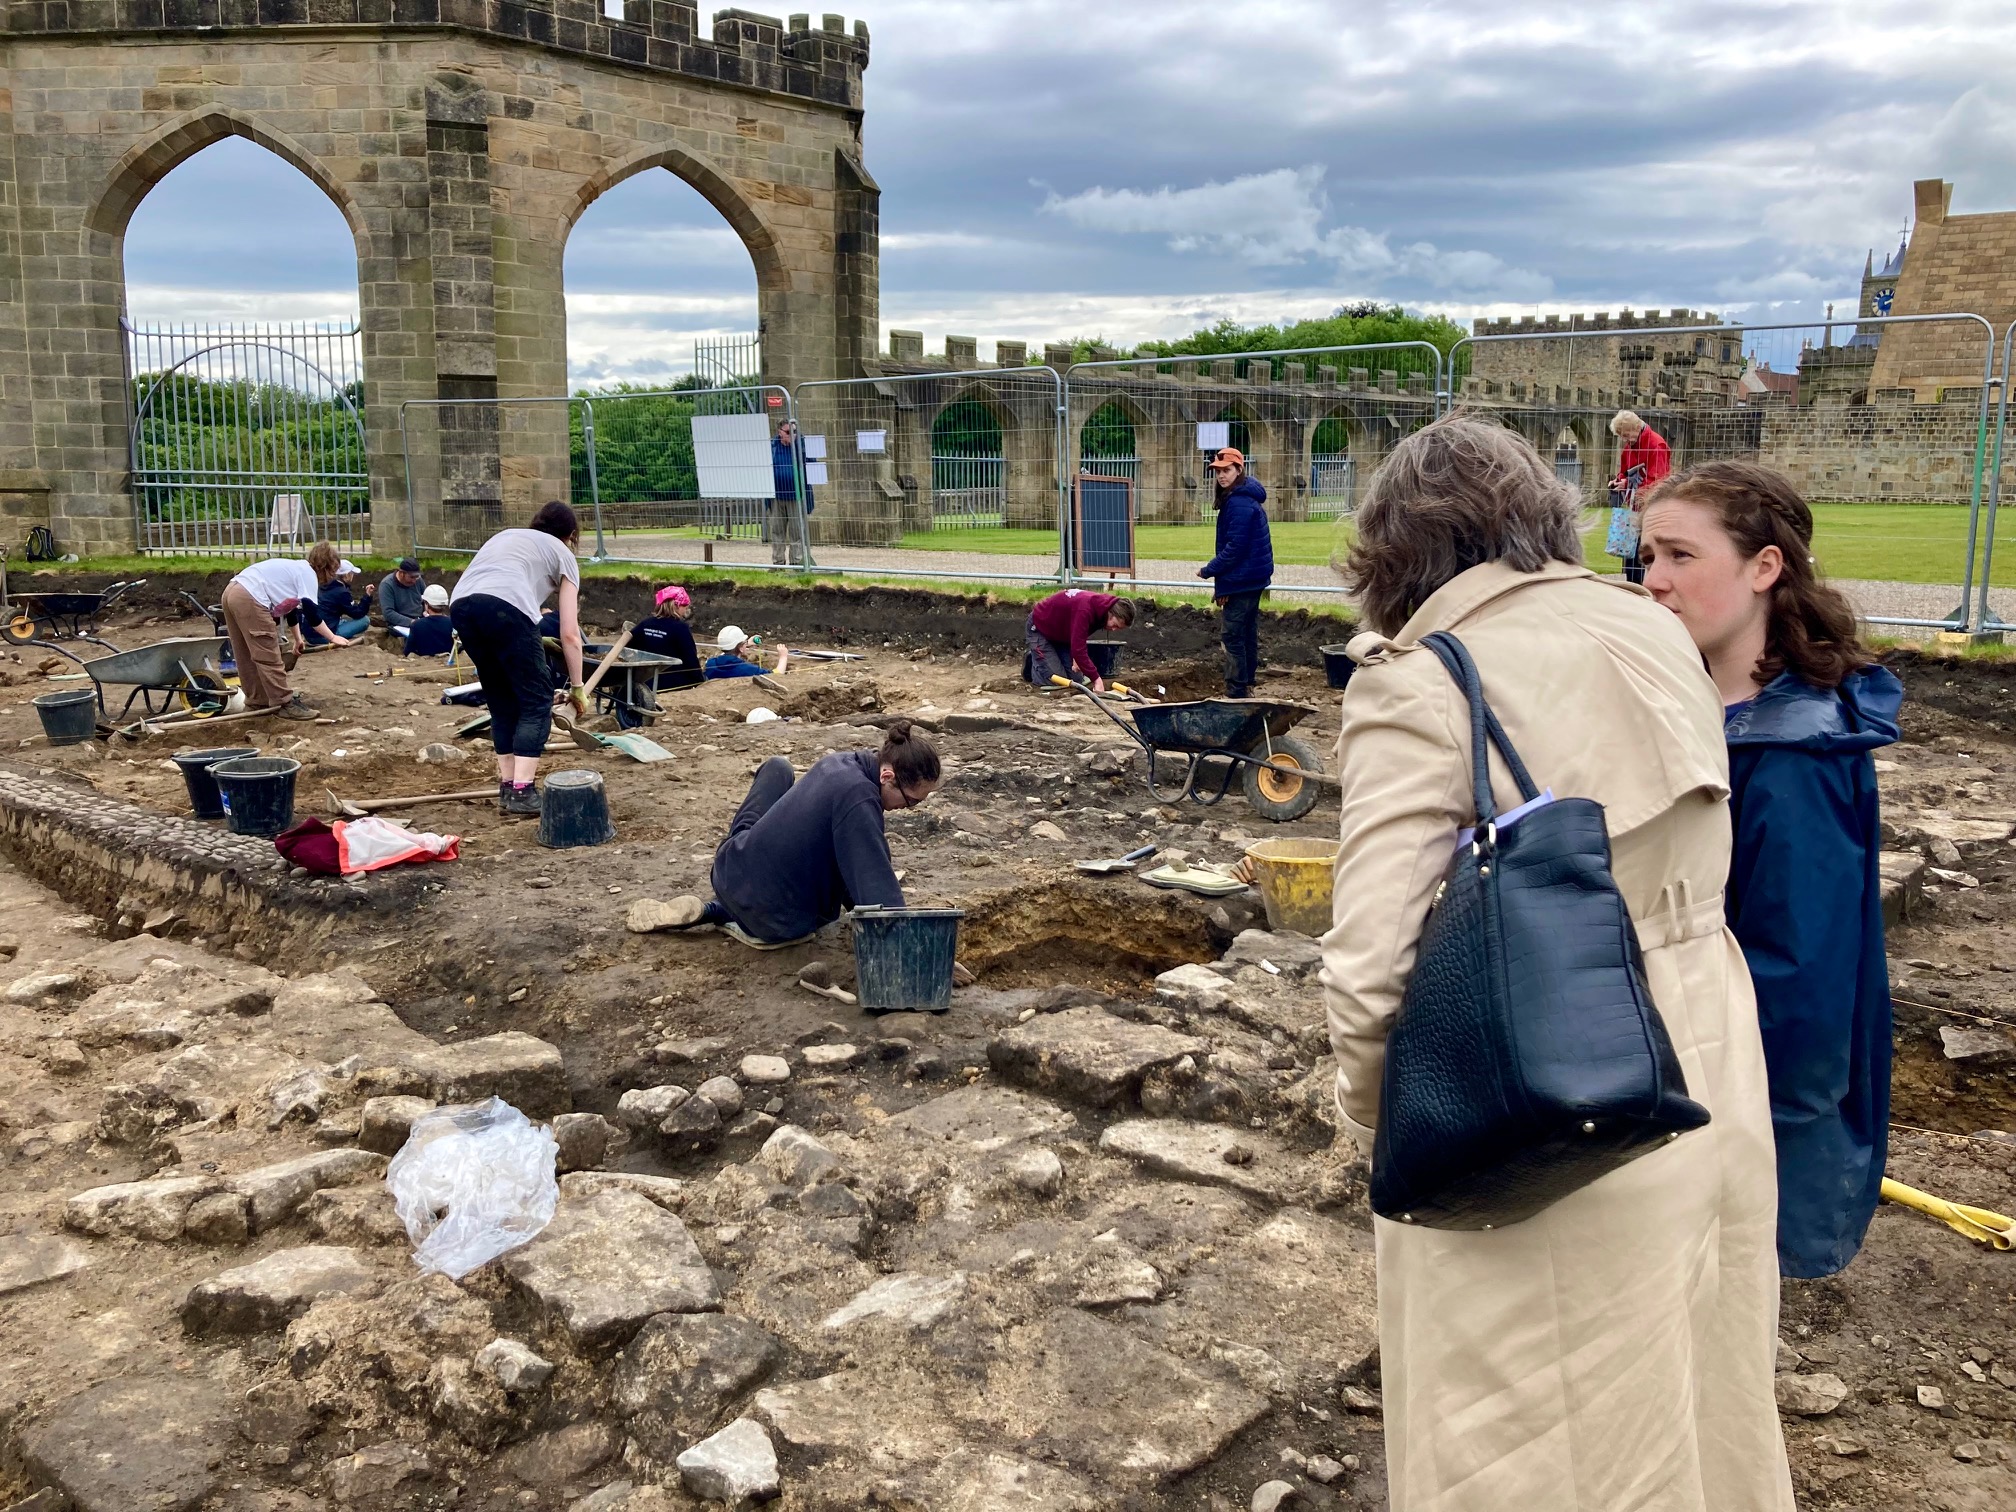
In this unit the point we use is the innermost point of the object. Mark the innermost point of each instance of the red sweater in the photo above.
(1649, 451)
(1067, 618)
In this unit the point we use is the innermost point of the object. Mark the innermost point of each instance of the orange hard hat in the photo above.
(1229, 456)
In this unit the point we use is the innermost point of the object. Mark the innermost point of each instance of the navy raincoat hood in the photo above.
(1244, 562)
(1805, 903)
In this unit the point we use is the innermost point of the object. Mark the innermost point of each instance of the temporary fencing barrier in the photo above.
(1797, 397)
(1985, 617)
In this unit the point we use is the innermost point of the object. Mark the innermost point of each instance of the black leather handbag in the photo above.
(1527, 1058)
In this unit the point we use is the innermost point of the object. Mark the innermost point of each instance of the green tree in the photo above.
(1362, 324)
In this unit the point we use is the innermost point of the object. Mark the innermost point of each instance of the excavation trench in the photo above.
(1108, 933)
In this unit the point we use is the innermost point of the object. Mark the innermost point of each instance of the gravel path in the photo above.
(1294, 583)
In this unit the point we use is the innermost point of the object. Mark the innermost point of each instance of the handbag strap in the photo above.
(1455, 656)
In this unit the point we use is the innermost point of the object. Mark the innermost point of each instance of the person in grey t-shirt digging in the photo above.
(400, 596)
(495, 610)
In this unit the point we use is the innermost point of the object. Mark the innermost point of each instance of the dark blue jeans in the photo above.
(1239, 632)
(511, 665)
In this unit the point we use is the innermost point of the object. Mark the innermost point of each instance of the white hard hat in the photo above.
(730, 637)
(436, 595)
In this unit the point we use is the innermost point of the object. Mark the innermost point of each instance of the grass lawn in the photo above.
(1905, 543)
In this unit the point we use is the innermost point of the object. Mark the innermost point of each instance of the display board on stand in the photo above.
(1104, 516)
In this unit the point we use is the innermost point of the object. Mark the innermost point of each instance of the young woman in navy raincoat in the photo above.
(1728, 548)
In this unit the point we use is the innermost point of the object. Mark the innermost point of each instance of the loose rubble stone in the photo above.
(1038, 1172)
(752, 1126)
(134, 1443)
(387, 1121)
(220, 1218)
(527, 1073)
(1810, 1395)
(1087, 1054)
(1298, 956)
(43, 988)
(562, 1455)
(272, 1292)
(139, 1209)
(376, 1472)
(1115, 1273)
(676, 1379)
(1043, 829)
(440, 753)
(1193, 988)
(724, 1092)
(692, 1128)
(830, 1057)
(608, 1262)
(65, 1058)
(668, 1192)
(765, 1070)
(1789, 1359)
(737, 1466)
(1357, 1399)
(1977, 1047)
(1213, 1155)
(686, 1052)
(1274, 1494)
(645, 1107)
(910, 1300)
(513, 1366)
(584, 1141)
(360, 1215)
(1932, 1397)
(276, 1192)
(795, 1158)
(277, 1412)
(1324, 1470)
(27, 1261)
(625, 1496)
(468, 1403)
(984, 1118)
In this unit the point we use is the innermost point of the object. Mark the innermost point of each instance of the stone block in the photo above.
(134, 1442)
(1087, 1054)
(737, 1466)
(608, 1262)
(270, 1293)
(681, 1373)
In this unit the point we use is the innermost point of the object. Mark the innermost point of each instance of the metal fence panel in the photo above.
(1798, 397)
(247, 438)
(938, 474)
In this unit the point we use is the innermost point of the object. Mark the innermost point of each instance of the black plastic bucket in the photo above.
(69, 717)
(1337, 666)
(574, 810)
(903, 957)
(257, 792)
(1106, 656)
(205, 802)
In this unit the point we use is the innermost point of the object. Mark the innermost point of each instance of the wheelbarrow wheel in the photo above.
(1278, 790)
(18, 629)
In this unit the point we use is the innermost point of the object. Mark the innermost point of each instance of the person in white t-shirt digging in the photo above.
(255, 602)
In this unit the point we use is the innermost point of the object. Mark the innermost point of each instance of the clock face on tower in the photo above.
(1883, 298)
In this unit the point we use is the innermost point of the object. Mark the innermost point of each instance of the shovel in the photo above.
(1123, 863)
(637, 747)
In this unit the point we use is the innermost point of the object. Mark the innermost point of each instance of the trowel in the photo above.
(1122, 863)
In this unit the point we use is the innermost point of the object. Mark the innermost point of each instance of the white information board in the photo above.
(1214, 435)
(732, 456)
(815, 448)
(815, 472)
(869, 442)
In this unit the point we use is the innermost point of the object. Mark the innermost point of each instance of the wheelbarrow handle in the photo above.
(1104, 708)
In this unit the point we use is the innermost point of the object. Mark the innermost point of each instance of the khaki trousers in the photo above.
(255, 642)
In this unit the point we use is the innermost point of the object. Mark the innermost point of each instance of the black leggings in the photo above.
(511, 665)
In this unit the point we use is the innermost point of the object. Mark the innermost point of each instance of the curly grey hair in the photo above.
(1452, 496)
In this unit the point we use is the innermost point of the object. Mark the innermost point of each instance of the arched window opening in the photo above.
(1106, 446)
(246, 392)
(1568, 459)
(968, 466)
(1238, 436)
(1332, 484)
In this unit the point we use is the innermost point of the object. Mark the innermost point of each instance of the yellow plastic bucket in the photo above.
(1294, 881)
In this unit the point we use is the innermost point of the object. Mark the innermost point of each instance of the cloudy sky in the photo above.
(1136, 168)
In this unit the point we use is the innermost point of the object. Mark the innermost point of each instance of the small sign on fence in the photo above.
(1214, 435)
(1104, 515)
(868, 442)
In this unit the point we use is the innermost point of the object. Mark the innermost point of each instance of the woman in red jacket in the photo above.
(1643, 461)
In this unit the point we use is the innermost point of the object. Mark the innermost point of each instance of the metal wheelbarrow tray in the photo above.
(629, 689)
(164, 668)
(29, 617)
(1226, 738)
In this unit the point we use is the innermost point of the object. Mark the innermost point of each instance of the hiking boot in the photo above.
(521, 802)
(294, 708)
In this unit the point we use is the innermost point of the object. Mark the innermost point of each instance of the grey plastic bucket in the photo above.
(258, 793)
(574, 810)
(903, 957)
(205, 802)
(69, 717)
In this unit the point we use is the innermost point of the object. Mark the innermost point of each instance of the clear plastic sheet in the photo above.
(472, 1182)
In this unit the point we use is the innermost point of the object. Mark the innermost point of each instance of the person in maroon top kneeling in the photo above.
(1058, 628)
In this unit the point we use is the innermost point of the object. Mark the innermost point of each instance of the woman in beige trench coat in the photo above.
(1615, 1352)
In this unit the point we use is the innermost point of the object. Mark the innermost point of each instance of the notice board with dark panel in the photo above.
(1104, 516)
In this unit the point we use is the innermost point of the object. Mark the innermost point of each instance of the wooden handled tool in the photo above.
(608, 660)
(357, 810)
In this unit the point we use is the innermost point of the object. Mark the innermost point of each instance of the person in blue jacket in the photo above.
(787, 464)
(1728, 548)
(1242, 569)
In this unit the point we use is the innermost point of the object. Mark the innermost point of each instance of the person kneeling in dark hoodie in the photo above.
(1728, 546)
(800, 852)
(1242, 569)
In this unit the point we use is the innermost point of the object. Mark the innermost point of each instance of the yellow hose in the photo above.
(1978, 1224)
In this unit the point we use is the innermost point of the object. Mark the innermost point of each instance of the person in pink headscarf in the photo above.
(667, 633)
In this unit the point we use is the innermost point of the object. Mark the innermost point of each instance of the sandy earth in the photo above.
(1263, 1293)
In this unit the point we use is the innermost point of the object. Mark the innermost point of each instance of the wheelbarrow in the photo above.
(170, 669)
(1222, 739)
(29, 617)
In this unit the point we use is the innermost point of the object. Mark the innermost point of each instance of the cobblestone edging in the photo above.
(116, 859)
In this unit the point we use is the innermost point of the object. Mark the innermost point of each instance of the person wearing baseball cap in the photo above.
(1242, 569)
(431, 634)
(668, 634)
(736, 653)
(399, 595)
(348, 615)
